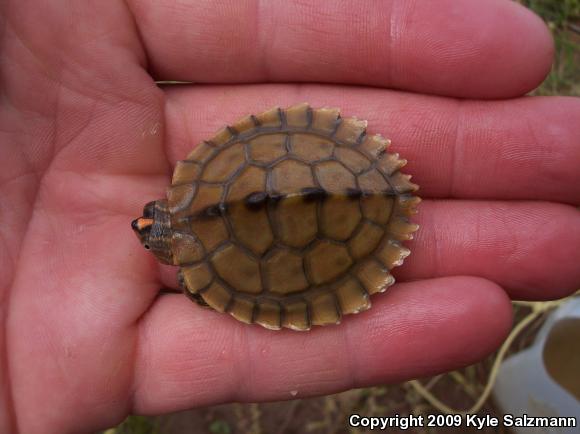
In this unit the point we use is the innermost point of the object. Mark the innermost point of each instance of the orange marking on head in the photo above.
(143, 222)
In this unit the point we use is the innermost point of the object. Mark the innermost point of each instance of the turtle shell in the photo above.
(290, 218)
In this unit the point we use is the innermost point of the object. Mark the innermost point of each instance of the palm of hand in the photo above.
(87, 139)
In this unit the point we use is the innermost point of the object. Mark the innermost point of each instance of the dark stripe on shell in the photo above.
(314, 194)
(354, 193)
(256, 201)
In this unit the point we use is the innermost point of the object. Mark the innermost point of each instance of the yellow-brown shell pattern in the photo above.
(290, 218)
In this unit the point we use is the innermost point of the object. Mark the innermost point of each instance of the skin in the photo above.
(87, 139)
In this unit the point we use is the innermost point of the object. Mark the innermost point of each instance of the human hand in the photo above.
(88, 138)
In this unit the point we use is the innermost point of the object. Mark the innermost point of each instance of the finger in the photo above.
(531, 249)
(527, 148)
(461, 48)
(190, 356)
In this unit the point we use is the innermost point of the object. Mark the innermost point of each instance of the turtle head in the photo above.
(154, 230)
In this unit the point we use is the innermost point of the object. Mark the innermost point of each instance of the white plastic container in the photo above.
(544, 380)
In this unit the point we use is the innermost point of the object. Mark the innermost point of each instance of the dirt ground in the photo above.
(323, 415)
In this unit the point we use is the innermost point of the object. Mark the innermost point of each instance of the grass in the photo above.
(563, 19)
(328, 414)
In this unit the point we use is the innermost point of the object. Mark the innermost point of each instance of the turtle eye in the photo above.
(149, 210)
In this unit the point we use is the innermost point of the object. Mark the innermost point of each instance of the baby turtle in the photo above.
(290, 218)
